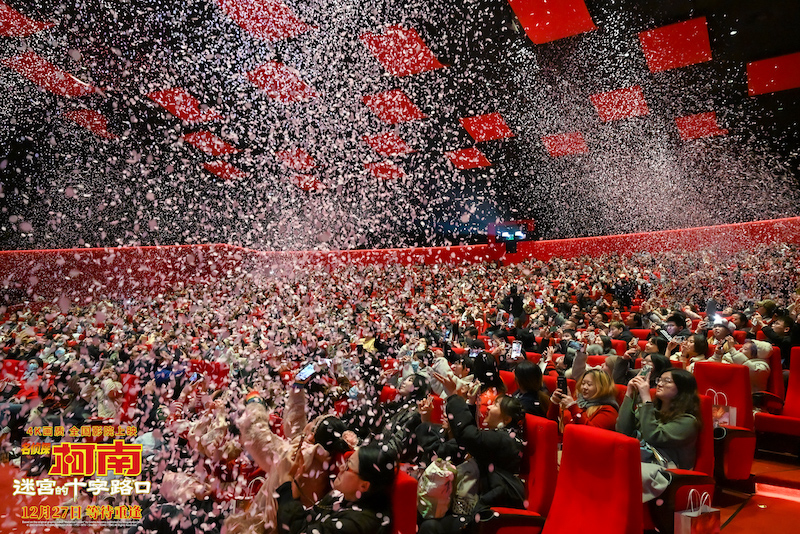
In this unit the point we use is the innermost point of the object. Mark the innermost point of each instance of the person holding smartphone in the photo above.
(595, 404)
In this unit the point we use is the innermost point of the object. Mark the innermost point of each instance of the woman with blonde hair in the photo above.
(596, 404)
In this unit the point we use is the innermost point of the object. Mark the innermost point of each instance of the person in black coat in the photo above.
(359, 504)
(498, 453)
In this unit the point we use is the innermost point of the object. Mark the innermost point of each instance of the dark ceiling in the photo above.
(64, 186)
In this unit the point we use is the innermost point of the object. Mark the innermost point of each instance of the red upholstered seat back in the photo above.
(775, 379)
(734, 382)
(597, 462)
(130, 394)
(596, 360)
(510, 381)
(619, 346)
(404, 504)
(705, 443)
(791, 408)
(641, 333)
(539, 467)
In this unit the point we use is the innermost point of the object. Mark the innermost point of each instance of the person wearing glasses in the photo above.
(360, 502)
(667, 426)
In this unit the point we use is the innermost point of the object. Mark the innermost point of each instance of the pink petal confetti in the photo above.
(565, 144)
(388, 144)
(699, 125)
(183, 105)
(270, 20)
(47, 76)
(281, 82)
(92, 120)
(393, 107)
(296, 159)
(15, 24)
(401, 52)
(307, 183)
(210, 143)
(620, 104)
(468, 158)
(224, 170)
(385, 170)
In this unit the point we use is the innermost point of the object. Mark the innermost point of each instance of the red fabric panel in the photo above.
(548, 21)
(15, 24)
(91, 120)
(393, 107)
(565, 144)
(699, 125)
(739, 453)
(677, 45)
(468, 158)
(620, 104)
(388, 144)
(224, 170)
(209, 143)
(297, 159)
(307, 183)
(401, 52)
(779, 424)
(183, 105)
(774, 74)
(281, 82)
(270, 20)
(385, 170)
(486, 127)
(48, 76)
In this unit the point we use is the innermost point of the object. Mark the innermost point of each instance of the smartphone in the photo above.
(510, 321)
(540, 301)
(195, 377)
(474, 353)
(645, 369)
(575, 345)
(516, 350)
(561, 383)
(553, 329)
(305, 373)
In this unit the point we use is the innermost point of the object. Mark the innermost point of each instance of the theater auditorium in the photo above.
(393, 266)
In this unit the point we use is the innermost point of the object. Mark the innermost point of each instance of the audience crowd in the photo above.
(286, 402)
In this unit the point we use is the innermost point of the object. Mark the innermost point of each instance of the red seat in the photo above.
(130, 394)
(404, 504)
(437, 414)
(510, 381)
(11, 369)
(641, 333)
(734, 451)
(619, 346)
(788, 421)
(740, 336)
(539, 473)
(595, 458)
(388, 394)
(550, 384)
(534, 357)
(595, 360)
(775, 380)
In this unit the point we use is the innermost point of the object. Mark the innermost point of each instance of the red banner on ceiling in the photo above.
(210, 143)
(297, 159)
(620, 104)
(281, 82)
(545, 21)
(224, 170)
(486, 127)
(393, 107)
(774, 74)
(676, 45)
(699, 125)
(270, 20)
(468, 158)
(565, 144)
(385, 170)
(91, 120)
(388, 144)
(47, 76)
(183, 105)
(15, 24)
(401, 52)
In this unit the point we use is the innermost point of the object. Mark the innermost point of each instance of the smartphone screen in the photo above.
(516, 350)
(305, 372)
(561, 383)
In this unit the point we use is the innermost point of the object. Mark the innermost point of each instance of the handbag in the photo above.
(467, 485)
(435, 489)
(723, 413)
(700, 520)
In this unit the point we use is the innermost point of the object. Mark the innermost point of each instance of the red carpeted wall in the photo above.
(84, 274)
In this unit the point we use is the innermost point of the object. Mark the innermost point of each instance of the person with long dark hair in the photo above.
(529, 388)
(667, 426)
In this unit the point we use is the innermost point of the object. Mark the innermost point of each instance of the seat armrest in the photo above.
(768, 402)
